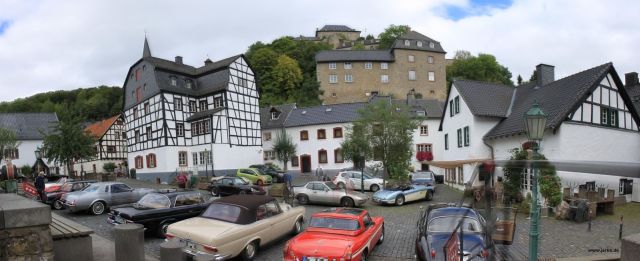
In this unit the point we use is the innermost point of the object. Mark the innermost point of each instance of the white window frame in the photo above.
(384, 78)
(419, 43)
(429, 59)
(432, 45)
(407, 43)
(368, 65)
(180, 129)
(348, 78)
(182, 158)
(333, 78)
(384, 66)
(332, 66)
(411, 58)
(432, 76)
(267, 136)
(424, 130)
(412, 75)
(348, 66)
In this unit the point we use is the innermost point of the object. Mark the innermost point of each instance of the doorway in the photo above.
(305, 161)
(424, 167)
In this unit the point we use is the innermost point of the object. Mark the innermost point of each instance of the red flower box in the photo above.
(424, 155)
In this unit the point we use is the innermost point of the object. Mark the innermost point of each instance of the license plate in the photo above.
(188, 244)
(315, 259)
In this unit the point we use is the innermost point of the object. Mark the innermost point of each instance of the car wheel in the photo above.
(429, 195)
(249, 251)
(57, 205)
(399, 200)
(341, 185)
(363, 257)
(297, 227)
(375, 188)
(215, 192)
(97, 208)
(347, 202)
(303, 199)
(381, 236)
(260, 182)
(162, 229)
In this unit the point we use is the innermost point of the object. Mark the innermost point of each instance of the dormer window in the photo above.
(189, 84)
(217, 102)
(274, 115)
(407, 42)
(174, 81)
(419, 44)
(432, 45)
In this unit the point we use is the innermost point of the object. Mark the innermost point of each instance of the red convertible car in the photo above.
(337, 234)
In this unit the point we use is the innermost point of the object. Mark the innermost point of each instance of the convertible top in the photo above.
(248, 201)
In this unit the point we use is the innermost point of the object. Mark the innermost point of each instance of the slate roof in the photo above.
(265, 116)
(557, 99)
(202, 114)
(354, 55)
(336, 28)
(485, 99)
(98, 129)
(27, 125)
(324, 114)
(432, 108)
(414, 37)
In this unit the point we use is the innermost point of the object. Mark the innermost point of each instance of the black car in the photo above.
(226, 186)
(53, 197)
(276, 174)
(156, 211)
(436, 226)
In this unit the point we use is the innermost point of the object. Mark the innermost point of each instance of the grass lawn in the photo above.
(630, 211)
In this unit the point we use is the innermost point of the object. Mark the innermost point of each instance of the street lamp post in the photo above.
(206, 163)
(38, 153)
(535, 122)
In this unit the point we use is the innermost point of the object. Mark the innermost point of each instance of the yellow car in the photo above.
(255, 176)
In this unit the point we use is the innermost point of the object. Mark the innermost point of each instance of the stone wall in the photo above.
(24, 229)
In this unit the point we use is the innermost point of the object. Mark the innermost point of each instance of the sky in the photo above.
(52, 45)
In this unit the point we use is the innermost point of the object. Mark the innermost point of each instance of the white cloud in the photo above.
(53, 45)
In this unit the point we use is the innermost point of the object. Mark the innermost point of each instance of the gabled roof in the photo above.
(557, 99)
(485, 99)
(27, 125)
(354, 55)
(336, 28)
(324, 114)
(415, 37)
(98, 129)
(203, 114)
(265, 116)
(432, 108)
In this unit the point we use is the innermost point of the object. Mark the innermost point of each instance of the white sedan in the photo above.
(352, 179)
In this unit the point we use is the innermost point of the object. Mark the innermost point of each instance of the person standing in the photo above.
(182, 180)
(39, 184)
(319, 174)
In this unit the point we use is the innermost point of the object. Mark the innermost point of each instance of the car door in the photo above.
(224, 186)
(370, 231)
(121, 194)
(267, 222)
(318, 193)
(355, 179)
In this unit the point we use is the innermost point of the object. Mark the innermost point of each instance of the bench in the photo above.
(71, 240)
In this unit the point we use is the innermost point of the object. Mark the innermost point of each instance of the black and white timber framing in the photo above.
(110, 146)
(177, 114)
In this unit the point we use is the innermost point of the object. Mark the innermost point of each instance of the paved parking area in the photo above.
(557, 238)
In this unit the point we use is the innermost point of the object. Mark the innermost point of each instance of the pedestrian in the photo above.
(181, 179)
(319, 174)
(39, 184)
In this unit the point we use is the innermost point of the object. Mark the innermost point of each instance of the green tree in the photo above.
(549, 182)
(358, 46)
(109, 167)
(519, 79)
(356, 147)
(483, 67)
(8, 141)
(68, 141)
(286, 78)
(284, 147)
(369, 37)
(534, 76)
(391, 34)
(389, 128)
(25, 170)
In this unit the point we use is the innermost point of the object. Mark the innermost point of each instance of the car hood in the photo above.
(128, 212)
(357, 195)
(320, 244)
(76, 194)
(201, 230)
(386, 194)
(438, 240)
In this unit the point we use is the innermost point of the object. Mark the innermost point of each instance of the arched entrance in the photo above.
(305, 163)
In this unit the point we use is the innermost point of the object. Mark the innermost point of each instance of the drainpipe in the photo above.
(492, 155)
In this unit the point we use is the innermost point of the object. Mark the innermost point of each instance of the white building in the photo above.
(28, 128)
(181, 118)
(110, 146)
(318, 132)
(588, 119)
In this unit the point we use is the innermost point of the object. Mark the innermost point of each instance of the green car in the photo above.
(255, 176)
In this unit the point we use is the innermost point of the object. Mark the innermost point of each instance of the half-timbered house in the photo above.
(590, 118)
(203, 120)
(110, 146)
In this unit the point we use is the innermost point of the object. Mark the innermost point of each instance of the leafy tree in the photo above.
(287, 76)
(391, 34)
(358, 46)
(25, 170)
(356, 147)
(483, 67)
(519, 79)
(68, 141)
(369, 37)
(8, 141)
(389, 128)
(284, 147)
(548, 180)
(109, 167)
(534, 76)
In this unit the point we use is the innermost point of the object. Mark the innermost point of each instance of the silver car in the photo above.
(97, 197)
(327, 193)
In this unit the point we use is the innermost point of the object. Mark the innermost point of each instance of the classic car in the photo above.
(276, 174)
(255, 176)
(156, 211)
(55, 185)
(325, 192)
(344, 178)
(436, 226)
(401, 194)
(424, 178)
(236, 226)
(98, 196)
(225, 186)
(336, 234)
(53, 197)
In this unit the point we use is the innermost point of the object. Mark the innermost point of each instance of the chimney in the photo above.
(179, 59)
(545, 74)
(207, 62)
(411, 97)
(631, 79)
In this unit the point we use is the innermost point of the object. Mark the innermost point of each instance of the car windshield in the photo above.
(155, 201)
(421, 175)
(331, 185)
(239, 181)
(447, 224)
(92, 188)
(399, 187)
(334, 223)
(67, 187)
(224, 212)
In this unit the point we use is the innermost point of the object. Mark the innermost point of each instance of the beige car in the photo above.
(236, 226)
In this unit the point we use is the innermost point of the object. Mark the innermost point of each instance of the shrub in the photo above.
(109, 167)
(26, 171)
(132, 173)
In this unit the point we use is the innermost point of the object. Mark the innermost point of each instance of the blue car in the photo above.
(436, 226)
(425, 178)
(404, 193)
